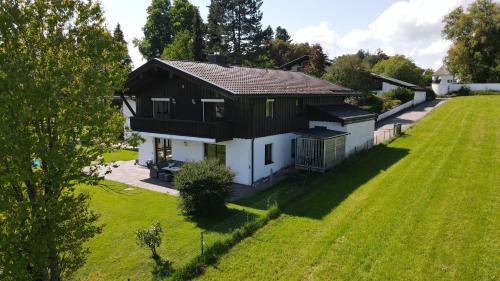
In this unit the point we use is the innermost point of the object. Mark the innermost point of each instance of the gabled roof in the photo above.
(343, 113)
(299, 60)
(396, 82)
(442, 71)
(238, 80)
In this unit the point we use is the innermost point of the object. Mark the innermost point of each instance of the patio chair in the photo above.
(155, 171)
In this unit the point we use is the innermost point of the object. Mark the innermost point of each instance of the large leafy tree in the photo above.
(59, 68)
(181, 48)
(282, 52)
(349, 71)
(402, 68)
(120, 38)
(317, 61)
(475, 53)
(157, 30)
(185, 17)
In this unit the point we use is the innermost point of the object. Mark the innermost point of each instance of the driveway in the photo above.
(383, 128)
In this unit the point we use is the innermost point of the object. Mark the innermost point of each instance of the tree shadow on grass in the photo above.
(329, 190)
(224, 222)
(162, 268)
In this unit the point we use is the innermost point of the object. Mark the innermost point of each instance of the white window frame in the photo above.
(160, 99)
(203, 101)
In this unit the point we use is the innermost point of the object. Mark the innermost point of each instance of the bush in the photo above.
(151, 238)
(372, 102)
(463, 91)
(203, 187)
(400, 93)
(389, 104)
(429, 94)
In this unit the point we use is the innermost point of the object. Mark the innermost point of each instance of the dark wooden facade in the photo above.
(245, 115)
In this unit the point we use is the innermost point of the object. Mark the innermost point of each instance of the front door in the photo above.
(215, 151)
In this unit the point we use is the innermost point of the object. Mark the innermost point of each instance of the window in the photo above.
(299, 106)
(213, 109)
(161, 107)
(270, 108)
(163, 149)
(216, 151)
(294, 145)
(268, 150)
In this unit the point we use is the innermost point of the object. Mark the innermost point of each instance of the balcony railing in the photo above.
(220, 131)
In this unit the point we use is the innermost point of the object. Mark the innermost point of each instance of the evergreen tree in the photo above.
(120, 38)
(198, 34)
(215, 26)
(157, 30)
(282, 34)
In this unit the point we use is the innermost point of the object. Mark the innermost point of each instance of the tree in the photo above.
(348, 71)
(317, 60)
(203, 187)
(120, 38)
(282, 34)
(402, 68)
(52, 126)
(282, 52)
(181, 48)
(215, 28)
(475, 53)
(150, 238)
(185, 17)
(157, 30)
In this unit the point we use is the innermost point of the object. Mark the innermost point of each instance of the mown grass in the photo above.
(120, 155)
(424, 207)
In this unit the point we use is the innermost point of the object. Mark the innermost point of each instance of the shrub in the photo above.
(151, 238)
(429, 94)
(400, 93)
(389, 104)
(464, 91)
(372, 102)
(203, 187)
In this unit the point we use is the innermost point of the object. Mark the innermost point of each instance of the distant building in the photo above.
(442, 81)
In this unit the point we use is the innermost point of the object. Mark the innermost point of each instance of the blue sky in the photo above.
(409, 27)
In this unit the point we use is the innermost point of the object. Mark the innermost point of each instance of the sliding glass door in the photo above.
(163, 149)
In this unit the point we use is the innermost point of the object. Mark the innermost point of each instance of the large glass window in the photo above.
(216, 151)
(163, 149)
(213, 109)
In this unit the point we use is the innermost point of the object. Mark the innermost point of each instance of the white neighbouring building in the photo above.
(250, 119)
(444, 82)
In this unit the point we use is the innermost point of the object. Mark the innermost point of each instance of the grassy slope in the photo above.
(114, 253)
(426, 207)
(120, 155)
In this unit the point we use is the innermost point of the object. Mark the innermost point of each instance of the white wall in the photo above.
(360, 134)
(385, 87)
(476, 87)
(146, 150)
(238, 158)
(187, 150)
(419, 97)
(282, 154)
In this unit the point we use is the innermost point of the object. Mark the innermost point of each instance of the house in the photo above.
(442, 81)
(381, 83)
(250, 119)
(299, 63)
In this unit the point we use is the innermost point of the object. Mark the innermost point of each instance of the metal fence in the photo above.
(383, 135)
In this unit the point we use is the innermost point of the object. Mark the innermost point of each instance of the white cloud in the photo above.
(410, 27)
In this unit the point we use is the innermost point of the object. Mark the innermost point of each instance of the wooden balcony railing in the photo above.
(221, 130)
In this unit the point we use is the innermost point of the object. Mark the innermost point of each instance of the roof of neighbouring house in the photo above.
(247, 81)
(442, 71)
(343, 113)
(396, 82)
(301, 59)
(321, 133)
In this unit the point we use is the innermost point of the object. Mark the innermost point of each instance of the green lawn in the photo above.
(114, 253)
(120, 155)
(424, 207)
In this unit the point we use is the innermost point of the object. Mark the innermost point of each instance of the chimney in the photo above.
(216, 59)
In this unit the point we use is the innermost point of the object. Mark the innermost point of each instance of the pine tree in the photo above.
(282, 34)
(157, 30)
(120, 38)
(215, 26)
(198, 34)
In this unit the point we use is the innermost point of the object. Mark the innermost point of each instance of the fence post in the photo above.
(201, 242)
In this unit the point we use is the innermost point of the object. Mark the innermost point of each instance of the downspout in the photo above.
(253, 140)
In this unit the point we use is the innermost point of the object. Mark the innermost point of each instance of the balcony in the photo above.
(220, 131)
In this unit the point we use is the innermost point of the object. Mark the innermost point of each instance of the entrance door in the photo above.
(163, 149)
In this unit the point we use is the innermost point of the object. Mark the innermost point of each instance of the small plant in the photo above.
(429, 94)
(203, 187)
(400, 93)
(150, 237)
